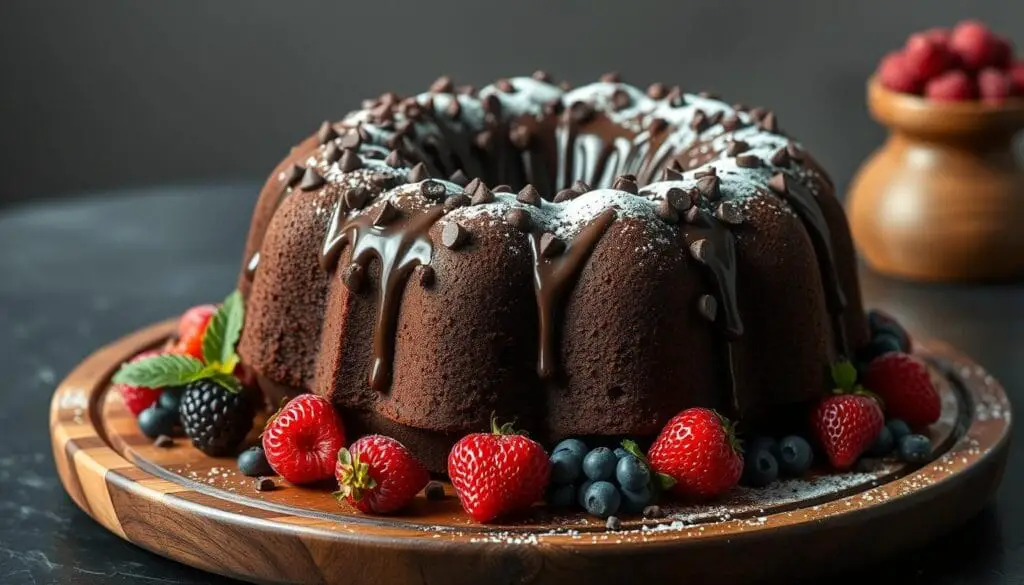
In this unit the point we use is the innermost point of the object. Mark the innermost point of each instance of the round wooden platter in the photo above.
(199, 510)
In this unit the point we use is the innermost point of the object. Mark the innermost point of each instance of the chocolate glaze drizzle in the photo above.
(553, 278)
(399, 247)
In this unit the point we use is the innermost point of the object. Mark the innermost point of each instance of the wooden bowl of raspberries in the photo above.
(943, 198)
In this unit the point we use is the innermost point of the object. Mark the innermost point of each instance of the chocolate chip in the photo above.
(705, 172)
(311, 180)
(529, 195)
(553, 107)
(566, 195)
(778, 183)
(780, 158)
(396, 141)
(729, 212)
(550, 245)
(675, 97)
(581, 113)
(736, 147)
(520, 136)
(794, 152)
(731, 123)
(456, 201)
(621, 100)
(505, 86)
(679, 200)
(709, 188)
(699, 250)
(386, 214)
(264, 484)
(350, 161)
(481, 195)
(543, 76)
(459, 178)
(394, 159)
(432, 190)
(332, 152)
(291, 175)
(699, 122)
(708, 306)
(484, 140)
(657, 125)
(748, 161)
(428, 103)
(454, 109)
(715, 118)
(434, 491)
(611, 77)
(425, 275)
(669, 174)
(361, 135)
(443, 84)
(518, 218)
(757, 113)
(326, 133)
(769, 123)
(356, 197)
(502, 189)
(454, 236)
(472, 186)
(657, 91)
(352, 276)
(389, 98)
(666, 212)
(581, 187)
(417, 173)
(626, 184)
(163, 442)
(654, 512)
(492, 108)
(692, 214)
(613, 523)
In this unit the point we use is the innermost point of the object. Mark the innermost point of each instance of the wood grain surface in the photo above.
(199, 510)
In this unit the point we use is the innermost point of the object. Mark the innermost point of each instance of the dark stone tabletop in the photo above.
(79, 273)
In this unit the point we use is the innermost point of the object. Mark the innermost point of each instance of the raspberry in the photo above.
(952, 86)
(191, 328)
(894, 74)
(938, 35)
(994, 85)
(925, 57)
(303, 439)
(977, 47)
(1016, 73)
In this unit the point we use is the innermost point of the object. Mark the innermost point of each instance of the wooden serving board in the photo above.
(199, 510)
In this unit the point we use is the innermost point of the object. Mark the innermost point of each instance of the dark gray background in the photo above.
(109, 93)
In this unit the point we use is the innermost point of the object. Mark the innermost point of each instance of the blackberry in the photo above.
(215, 418)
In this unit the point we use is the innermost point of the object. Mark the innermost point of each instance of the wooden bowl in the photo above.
(943, 198)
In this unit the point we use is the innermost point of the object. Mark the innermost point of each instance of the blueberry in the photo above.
(915, 448)
(620, 452)
(766, 443)
(566, 466)
(760, 467)
(156, 421)
(880, 323)
(602, 498)
(253, 462)
(634, 501)
(575, 445)
(795, 455)
(883, 445)
(879, 345)
(632, 474)
(581, 493)
(170, 398)
(600, 464)
(562, 496)
(898, 428)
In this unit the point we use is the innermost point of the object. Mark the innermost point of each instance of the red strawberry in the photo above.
(498, 474)
(994, 85)
(302, 440)
(906, 388)
(845, 426)
(938, 35)
(925, 57)
(895, 74)
(137, 398)
(698, 449)
(1016, 73)
(191, 328)
(951, 86)
(378, 475)
(977, 47)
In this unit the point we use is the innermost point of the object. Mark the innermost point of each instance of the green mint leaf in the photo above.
(227, 381)
(844, 375)
(633, 449)
(160, 371)
(665, 481)
(224, 329)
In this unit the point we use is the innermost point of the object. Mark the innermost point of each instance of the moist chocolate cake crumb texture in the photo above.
(598, 260)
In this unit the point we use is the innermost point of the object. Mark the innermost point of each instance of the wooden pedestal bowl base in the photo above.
(200, 511)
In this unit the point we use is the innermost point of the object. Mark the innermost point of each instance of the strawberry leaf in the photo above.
(844, 375)
(633, 449)
(225, 327)
(161, 371)
(665, 481)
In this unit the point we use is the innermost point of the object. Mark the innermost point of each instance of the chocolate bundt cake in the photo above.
(587, 261)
